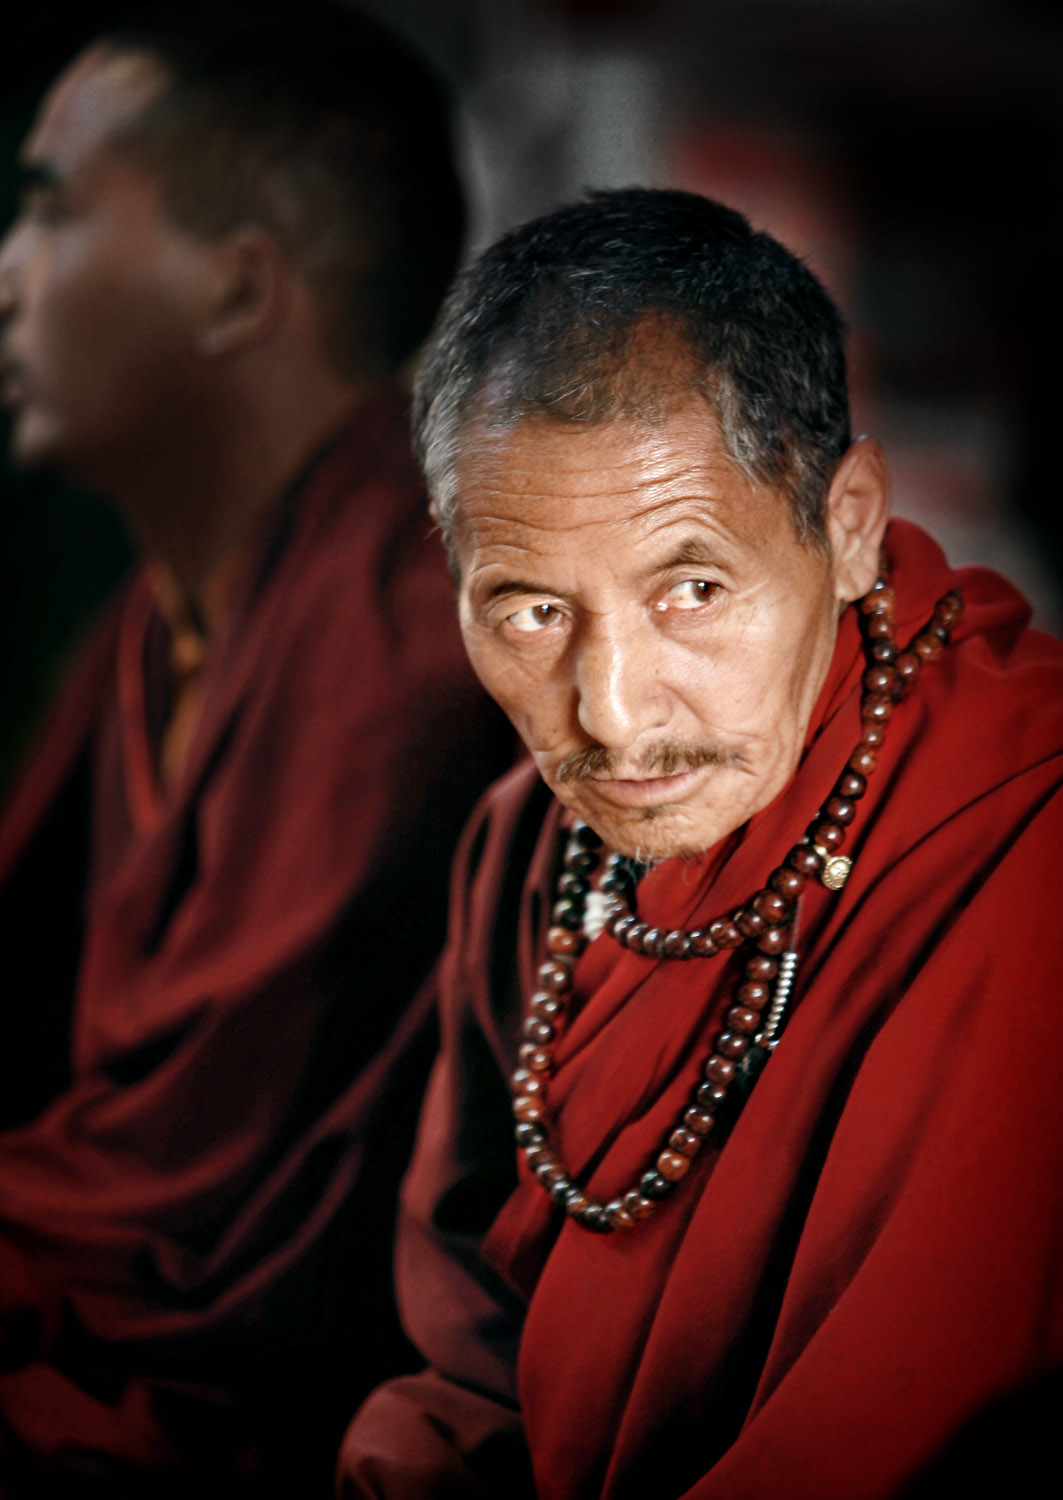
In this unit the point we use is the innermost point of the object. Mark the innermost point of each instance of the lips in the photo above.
(646, 791)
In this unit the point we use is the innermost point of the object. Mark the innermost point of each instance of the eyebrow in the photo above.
(690, 553)
(509, 586)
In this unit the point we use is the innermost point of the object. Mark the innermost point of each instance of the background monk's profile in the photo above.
(739, 1173)
(222, 874)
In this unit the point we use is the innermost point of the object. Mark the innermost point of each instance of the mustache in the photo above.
(666, 759)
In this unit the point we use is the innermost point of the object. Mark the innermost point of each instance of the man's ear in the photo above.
(858, 506)
(249, 292)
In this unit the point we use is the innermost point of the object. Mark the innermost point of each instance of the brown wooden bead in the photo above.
(650, 941)
(754, 993)
(632, 938)
(699, 1121)
(536, 1058)
(621, 926)
(880, 679)
(725, 934)
(684, 1141)
(576, 1201)
(872, 735)
(676, 944)
(928, 647)
(719, 1069)
(879, 627)
(773, 941)
(535, 1030)
(527, 1109)
(524, 1081)
(673, 1166)
(743, 1018)
(550, 1173)
(879, 601)
(710, 1095)
(536, 1155)
(760, 969)
(568, 914)
(731, 1044)
(549, 1007)
(771, 906)
(584, 835)
(884, 651)
(803, 857)
(750, 923)
(555, 976)
(637, 1206)
(702, 944)
(908, 666)
(653, 1185)
(949, 608)
(840, 809)
(851, 784)
(560, 940)
(863, 760)
(827, 835)
(618, 1215)
(789, 883)
(876, 709)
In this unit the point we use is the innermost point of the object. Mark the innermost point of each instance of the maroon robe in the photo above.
(214, 1041)
(871, 1255)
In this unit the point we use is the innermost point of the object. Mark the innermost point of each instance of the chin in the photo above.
(31, 449)
(649, 835)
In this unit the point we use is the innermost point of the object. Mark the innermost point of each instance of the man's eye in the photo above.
(689, 593)
(532, 617)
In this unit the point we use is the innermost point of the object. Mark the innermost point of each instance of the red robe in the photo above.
(871, 1255)
(213, 1038)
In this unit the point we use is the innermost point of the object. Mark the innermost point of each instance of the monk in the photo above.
(223, 873)
(739, 1171)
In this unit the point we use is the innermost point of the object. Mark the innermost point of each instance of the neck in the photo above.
(198, 514)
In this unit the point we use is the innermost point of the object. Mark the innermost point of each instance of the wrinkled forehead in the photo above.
(98, 96)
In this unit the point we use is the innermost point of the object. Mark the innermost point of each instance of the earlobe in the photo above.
(857, 511)
(248, 294)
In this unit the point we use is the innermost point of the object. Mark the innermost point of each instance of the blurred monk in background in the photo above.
(222, 872)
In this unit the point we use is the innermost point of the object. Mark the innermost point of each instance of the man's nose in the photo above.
(619, 683)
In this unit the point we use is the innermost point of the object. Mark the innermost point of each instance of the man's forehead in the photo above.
(528, 453)
(100, 94)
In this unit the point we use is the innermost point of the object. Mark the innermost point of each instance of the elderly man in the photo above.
(763, 954)
(222, 878)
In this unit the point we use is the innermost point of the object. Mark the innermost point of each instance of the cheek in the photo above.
(533, 702)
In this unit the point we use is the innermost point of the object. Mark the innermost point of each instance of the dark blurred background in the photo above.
(909, 149)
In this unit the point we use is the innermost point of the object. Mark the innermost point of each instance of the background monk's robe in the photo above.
(211, 1053)
(871, 1256)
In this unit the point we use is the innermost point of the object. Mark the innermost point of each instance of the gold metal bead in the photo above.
(835, 871)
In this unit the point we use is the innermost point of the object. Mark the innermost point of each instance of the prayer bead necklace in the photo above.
(763, 926)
